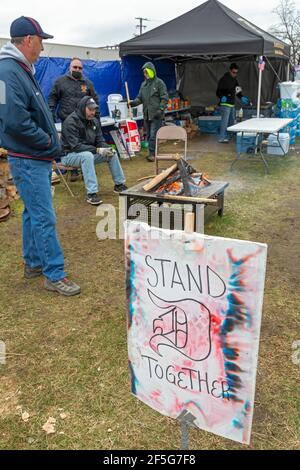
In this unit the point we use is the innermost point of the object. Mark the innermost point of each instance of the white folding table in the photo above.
(106, 121)
(260, 126)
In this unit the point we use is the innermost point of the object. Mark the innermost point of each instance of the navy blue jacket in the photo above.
(26, 124)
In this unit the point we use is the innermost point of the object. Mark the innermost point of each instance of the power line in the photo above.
(153, 20)
(141, 26)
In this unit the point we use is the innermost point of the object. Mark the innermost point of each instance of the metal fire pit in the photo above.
(150, 203)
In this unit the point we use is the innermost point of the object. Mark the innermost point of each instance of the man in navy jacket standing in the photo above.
(28, 133)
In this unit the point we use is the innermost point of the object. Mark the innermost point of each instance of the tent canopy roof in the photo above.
(210, 31)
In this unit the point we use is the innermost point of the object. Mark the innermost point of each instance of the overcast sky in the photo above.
(100, 23)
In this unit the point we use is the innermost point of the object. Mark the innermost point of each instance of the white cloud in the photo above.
(96, 23)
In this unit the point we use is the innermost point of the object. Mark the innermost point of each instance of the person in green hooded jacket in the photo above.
(153, 95)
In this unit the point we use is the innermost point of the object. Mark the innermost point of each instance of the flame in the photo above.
(197, 181)
(175, 186)
(172, 188)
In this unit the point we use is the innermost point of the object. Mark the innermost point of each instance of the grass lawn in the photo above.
(69, 355)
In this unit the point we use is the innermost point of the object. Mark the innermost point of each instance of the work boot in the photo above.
(31, 273)
(150, 158)
(63, 287)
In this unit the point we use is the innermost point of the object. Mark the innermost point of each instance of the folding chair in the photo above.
(169, 133)
(60, 167)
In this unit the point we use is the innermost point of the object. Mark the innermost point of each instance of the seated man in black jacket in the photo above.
(228, 89)
(84, 145)
(67, 92)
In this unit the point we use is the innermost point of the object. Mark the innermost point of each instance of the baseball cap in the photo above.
(26, 26)
(91, 104)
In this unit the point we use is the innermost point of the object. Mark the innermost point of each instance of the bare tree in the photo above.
(289, 27)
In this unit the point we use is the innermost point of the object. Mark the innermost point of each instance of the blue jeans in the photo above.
(151, 129)
(228, 119)
(87, 161)
(40, 243)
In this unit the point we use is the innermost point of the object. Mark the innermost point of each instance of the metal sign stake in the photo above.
(184, 427)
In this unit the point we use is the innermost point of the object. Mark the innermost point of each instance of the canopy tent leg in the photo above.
(261, 67)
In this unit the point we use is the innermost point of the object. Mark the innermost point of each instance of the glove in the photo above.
(158, 114)
(245, 101)
(105, 152)
(130, 104)
(223, 99)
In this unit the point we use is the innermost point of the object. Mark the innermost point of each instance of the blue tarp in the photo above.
(132, 73)
(107, 76)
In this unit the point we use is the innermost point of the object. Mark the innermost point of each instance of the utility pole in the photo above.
(141, 26)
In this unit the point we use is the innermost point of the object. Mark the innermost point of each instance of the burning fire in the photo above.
(197, 181)
(179, 179)
(172, 188)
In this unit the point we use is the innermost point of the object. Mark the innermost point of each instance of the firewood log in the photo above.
(159, 178)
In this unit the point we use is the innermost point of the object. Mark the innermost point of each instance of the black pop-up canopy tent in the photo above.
(204, 40)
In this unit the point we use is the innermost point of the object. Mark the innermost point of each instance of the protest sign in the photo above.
(194, 315)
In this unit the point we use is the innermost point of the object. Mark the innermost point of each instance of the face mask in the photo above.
(76, 74)
(151, 73)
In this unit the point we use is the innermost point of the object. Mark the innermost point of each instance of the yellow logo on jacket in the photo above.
(84, 88)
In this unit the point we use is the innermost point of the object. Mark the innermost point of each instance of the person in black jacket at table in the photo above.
(67, 92)
(84, 145)
(228, 89)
